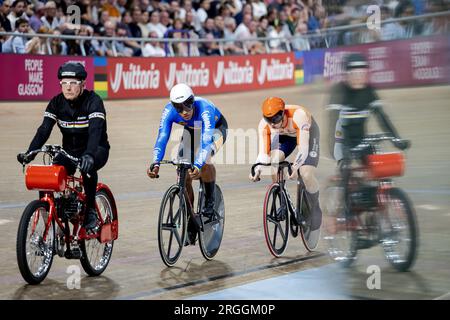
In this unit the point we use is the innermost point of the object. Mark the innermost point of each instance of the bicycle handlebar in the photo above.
(52, 150)
(178, 163)
(183, 164)
(378, 137)
(282, 164)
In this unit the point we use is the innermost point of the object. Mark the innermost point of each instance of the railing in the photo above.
(322, 38)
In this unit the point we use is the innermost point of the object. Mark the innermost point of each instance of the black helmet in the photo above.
(72, 70)
(355, 60)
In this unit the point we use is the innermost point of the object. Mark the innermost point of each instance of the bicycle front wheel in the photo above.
(211, 236)
(339, 227)
(399, 232)
(276, 220)
(34, 253)
(172, 225)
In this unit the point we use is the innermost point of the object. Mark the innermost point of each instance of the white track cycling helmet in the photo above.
(182, 97)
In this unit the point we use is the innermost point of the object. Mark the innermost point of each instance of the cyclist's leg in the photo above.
(282, 147)
(90, 182)
(208, 173)
(90, 186)
(186, 153)
(307, 172)
(208, 176)
(190, 190)
(276, 156)
(62, 160)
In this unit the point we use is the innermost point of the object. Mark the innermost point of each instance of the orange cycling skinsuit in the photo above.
(282, 129)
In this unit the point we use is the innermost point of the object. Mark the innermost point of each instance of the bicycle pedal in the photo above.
(197, 221)
(365, 243)
(281, 214)
(74, 253)
(212, 219)
(190, 239)
(93, 231)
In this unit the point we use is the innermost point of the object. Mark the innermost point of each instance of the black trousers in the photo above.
(89, 183)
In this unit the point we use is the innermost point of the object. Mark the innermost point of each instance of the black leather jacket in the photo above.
(82, 123)
(348, 111)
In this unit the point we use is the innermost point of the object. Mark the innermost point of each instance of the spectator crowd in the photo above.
(298, 24)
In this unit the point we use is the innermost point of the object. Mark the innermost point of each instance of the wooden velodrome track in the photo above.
(136, 270)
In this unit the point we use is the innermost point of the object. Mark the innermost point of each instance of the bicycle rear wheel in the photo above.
(310, 237)
(399, 230)
(34, 254)
(172, 225)
(276, 220)
(211, 236)
(95, 254)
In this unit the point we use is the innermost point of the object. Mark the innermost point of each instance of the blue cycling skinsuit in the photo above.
(206, 117)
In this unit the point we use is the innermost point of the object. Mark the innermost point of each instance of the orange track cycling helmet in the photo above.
(272, 107)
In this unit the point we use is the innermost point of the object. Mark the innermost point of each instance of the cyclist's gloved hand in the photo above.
(87, 163)
(153, 171)
(24, 159)
(256, 177)
(401, 144)
(194, 173)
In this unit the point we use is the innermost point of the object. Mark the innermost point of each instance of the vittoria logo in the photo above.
(134, 78)
(276, 70)
(233, 73)
(187, 74)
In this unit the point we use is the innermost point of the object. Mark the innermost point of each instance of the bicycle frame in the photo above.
(71, 185)
(182, 171)
(294, 210)
(181, 181)
(62, 203)
(74, 185)
(383, 184)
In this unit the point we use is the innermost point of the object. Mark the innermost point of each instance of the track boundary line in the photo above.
(155, 292)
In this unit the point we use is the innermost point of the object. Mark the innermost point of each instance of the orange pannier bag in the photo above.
(386, 165)
(46, 178)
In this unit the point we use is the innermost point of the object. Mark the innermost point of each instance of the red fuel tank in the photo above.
(386, 165)
(46, 178)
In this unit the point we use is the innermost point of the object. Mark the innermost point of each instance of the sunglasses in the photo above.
(184, 106)
(70, 83)
(357, 72)
(276, 118)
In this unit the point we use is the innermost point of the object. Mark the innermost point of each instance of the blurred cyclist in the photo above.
(351, 103)
(192, 113)
(81, 117)
(281, 130)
